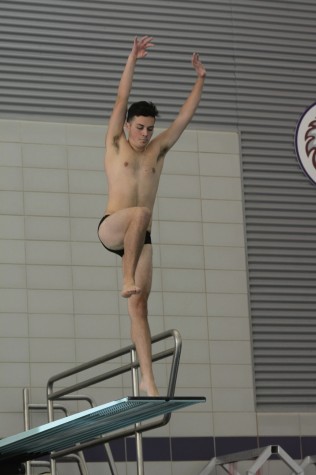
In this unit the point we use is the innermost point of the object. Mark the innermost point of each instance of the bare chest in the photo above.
(145, 169)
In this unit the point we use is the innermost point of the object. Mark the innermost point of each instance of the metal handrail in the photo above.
(132, 366)
(27, 407)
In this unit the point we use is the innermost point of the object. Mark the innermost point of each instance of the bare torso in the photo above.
(133, 176)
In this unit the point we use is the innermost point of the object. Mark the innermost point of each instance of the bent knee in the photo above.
(143, 215)
(139, 302)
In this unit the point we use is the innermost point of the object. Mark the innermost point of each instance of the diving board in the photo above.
(87, 425)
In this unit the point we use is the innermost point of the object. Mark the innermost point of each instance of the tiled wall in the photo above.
(59, 299)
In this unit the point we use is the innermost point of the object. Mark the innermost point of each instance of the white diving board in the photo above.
(87, 425)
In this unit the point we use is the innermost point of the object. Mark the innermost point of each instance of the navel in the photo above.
(153, 169)
(125, 164)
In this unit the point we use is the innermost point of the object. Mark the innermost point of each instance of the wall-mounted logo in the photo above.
(305, 142)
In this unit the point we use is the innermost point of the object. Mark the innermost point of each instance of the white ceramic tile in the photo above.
(87, 181)
(229, 328)
(217, 141)
(97, 326)
(11, 202)
(191, 424)
(92, 253)
(50, 228)
(14, 375)
(155, 235)
(94, 278)
(13, 300)
(48, 252)
(42, 132)
(46, 204)
(188, 468)
(156, 323)
(279, 467)
(235, 424)
(45, 180)
(155, 303)
(307, 424)
(41, 372)
(12, 276)
(121, 467)
(157, 280)
(182, 256)
(197, 374)
(13, 325)
(12, 251)
(9, 131)
(11, 179)
(195, 351)
(179, 186)
(181, 163)
(183, 280)
(188, 142)
(175, 209)
(155, 468)
(44, 156)
(226, 281)
(11, 227)
(14, 350)
(49, 277)
(89, 349)
(222, 211)
(217, 257)
(184, 304)
(230, 352)
(98, 302)
(234, 400)
(85, 158)
(278, 424)
(46, 350)
(227, 305)
(85, 135)
(219, 164)
(194, 327)
(84, 229)
(87, 205)
(180, 233)
(223, 234)
(10, 154)
(11, 423)
(51, 326)
(232, 376)
(11, 400)
(50, 301)
(220, 188)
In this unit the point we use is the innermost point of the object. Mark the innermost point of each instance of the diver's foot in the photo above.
(129, 290)
(150, 388)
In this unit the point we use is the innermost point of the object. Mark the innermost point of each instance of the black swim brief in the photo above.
(120, 252)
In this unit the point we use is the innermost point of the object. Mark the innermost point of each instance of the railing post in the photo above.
(138, 435)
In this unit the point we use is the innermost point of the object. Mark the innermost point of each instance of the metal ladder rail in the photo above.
(92, 403)
(131, 367)
(27, 407)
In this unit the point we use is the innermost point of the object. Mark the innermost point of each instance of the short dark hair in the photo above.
(144, 108)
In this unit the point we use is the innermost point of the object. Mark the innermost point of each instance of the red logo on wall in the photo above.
(305, 142)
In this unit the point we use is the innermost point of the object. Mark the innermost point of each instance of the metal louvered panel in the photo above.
(275, 70)
(63, 58)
